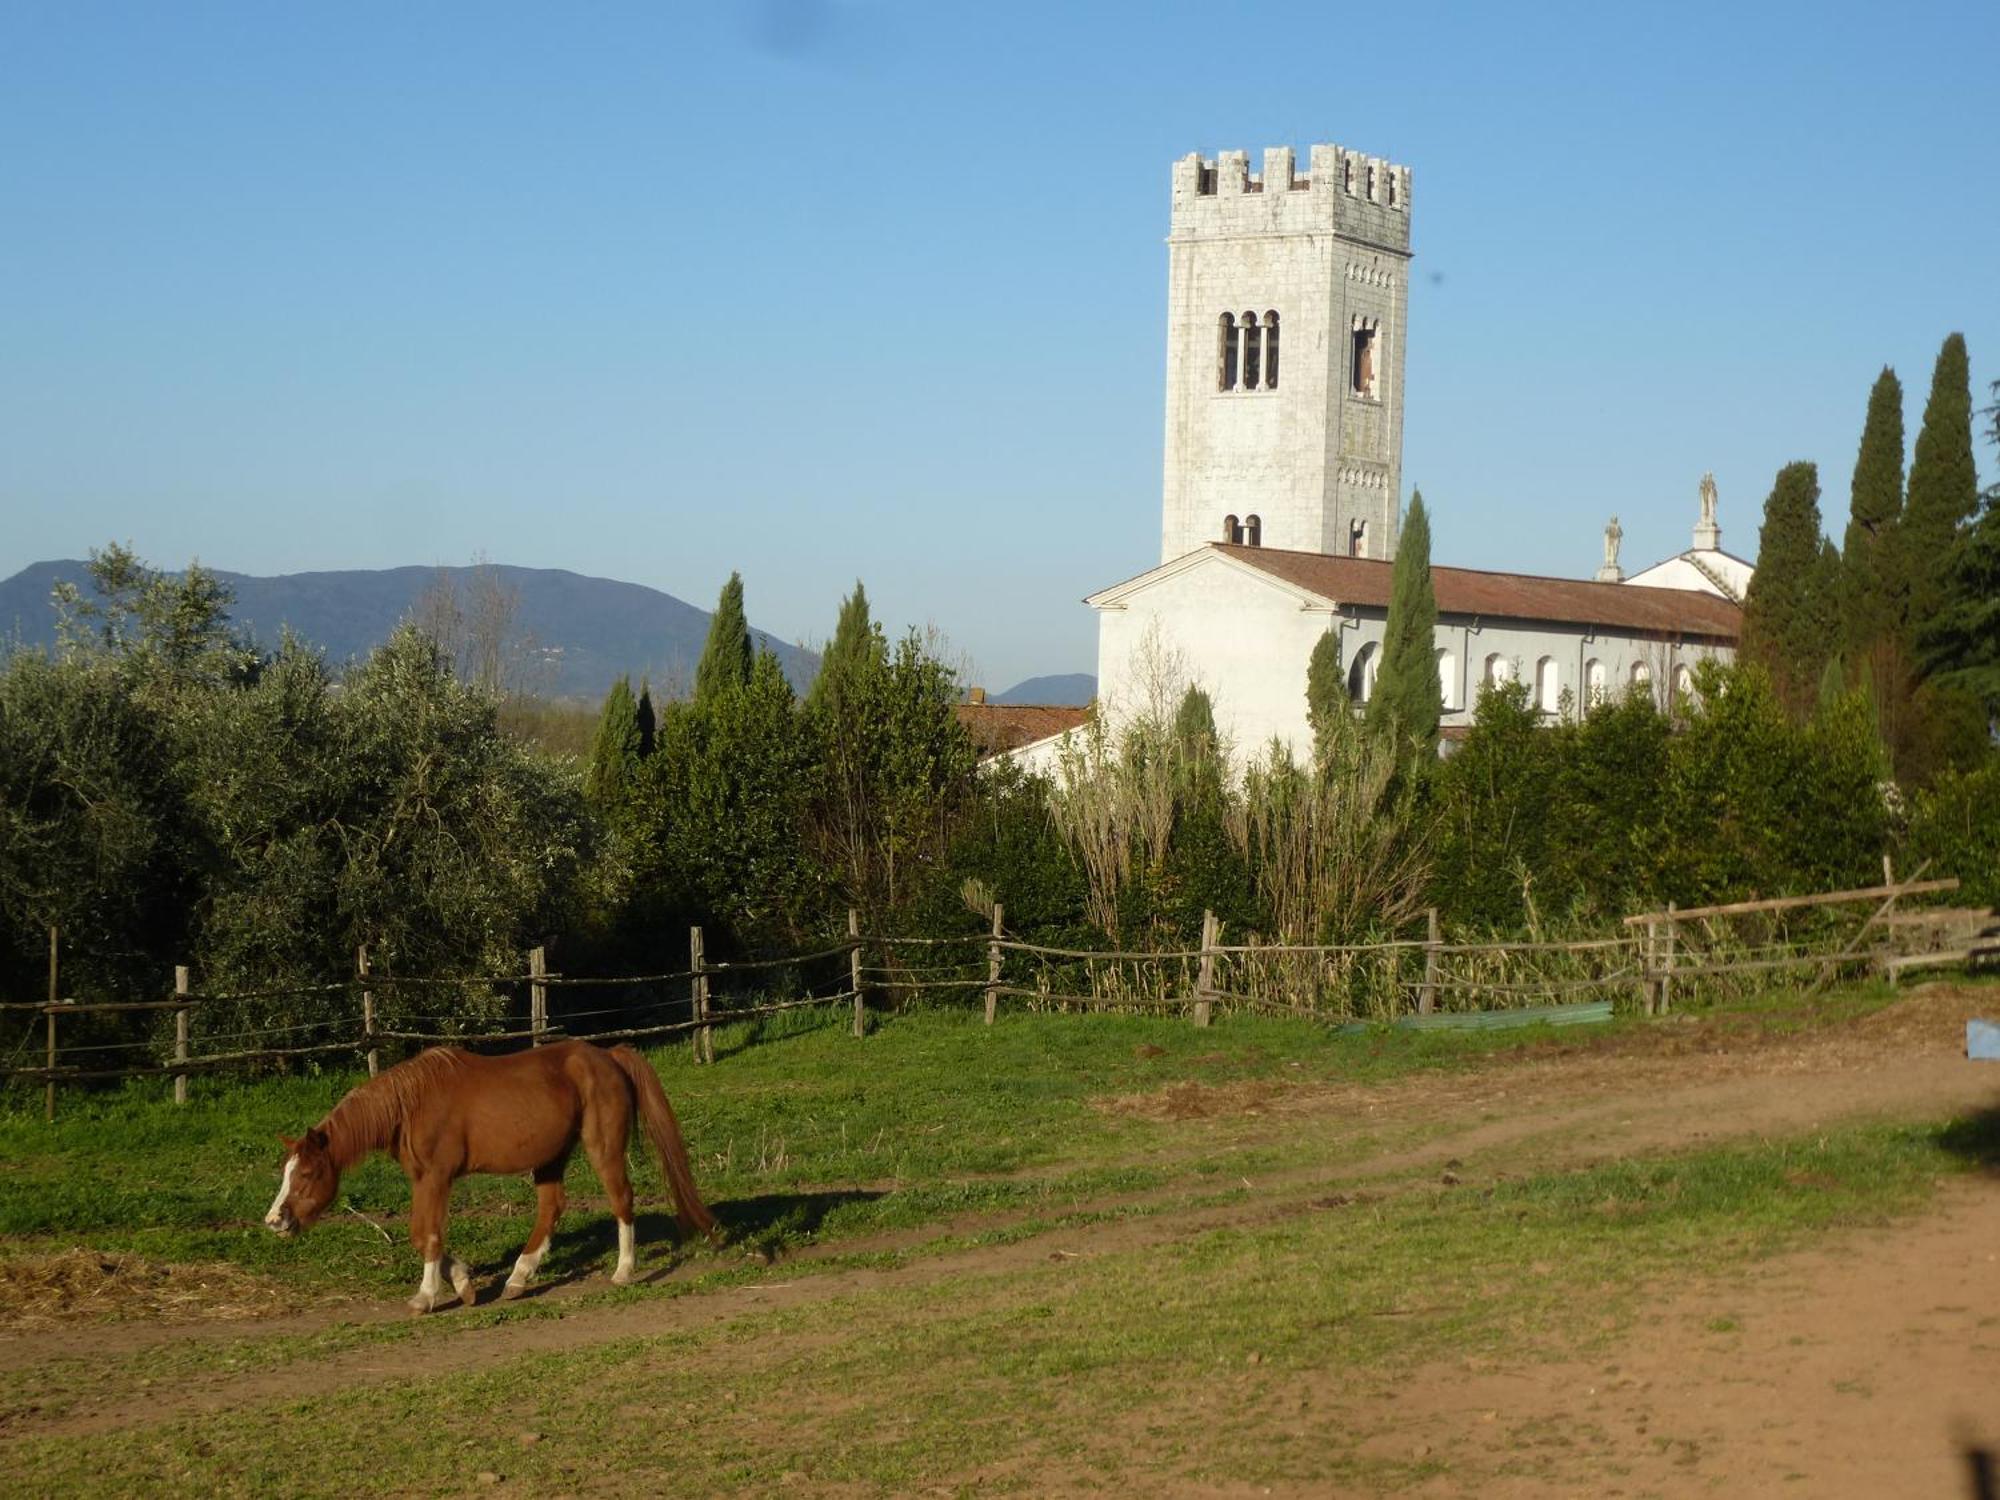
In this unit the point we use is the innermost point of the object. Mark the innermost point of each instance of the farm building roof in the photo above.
(999, 727)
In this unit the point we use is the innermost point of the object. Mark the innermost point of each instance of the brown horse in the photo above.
(447, 1113)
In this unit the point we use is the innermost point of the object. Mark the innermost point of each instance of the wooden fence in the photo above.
(1417, 982)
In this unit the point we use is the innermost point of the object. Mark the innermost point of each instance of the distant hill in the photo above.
(1072, 688)
(576, 634)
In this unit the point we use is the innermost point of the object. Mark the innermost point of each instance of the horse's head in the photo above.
(310, 1180)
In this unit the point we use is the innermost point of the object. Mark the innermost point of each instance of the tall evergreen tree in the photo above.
(615, 753)
(1871, 584)
(1960, 646)
(1783, 616)
(1326, 690)
(649, 720)
(1944, 485)
(1408, 701)
(727, 656)
(855, 642)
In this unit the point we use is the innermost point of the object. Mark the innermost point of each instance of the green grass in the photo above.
(1107, 1368)
(799, 1133)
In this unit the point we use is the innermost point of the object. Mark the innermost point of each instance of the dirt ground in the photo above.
(1860, 1367)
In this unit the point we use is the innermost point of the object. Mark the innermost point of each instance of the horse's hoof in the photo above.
(468, 1294)
(420, 1304)
(623, 1277)
(512, 1290)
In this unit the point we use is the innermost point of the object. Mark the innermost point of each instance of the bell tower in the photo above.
(1287, 296)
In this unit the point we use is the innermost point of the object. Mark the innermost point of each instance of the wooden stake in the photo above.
(49, 1095)
(538, 993)
(1667, 964)
(993, 966)
(1427, 996)
(1647, 968)
(367, 1009)
(854, 970)
(181, 1033)
(1204, 984)
(704, 1044)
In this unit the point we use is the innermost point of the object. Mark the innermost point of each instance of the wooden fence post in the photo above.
(181, 1032)
(1204, 984)
(854, 970)
(704, 1044)
(1650, 979)
(1427, 996)
(993, 965)
(367, 1009)
(538, 993)
(49, 1094)
(1667, 964)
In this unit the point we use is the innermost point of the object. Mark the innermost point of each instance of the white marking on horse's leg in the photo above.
(274, 1217)
(461, 1278)
(525, 1265)
(628, 1253)
(428, 1289)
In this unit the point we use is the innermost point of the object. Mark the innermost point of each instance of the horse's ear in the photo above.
(317, 1137)
(288, 1143)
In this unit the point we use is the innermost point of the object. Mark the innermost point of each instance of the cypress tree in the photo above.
(1783, 619)
(855, 639)
(1961, 644)
(727, 656)
(1194, 726)
(1326, 689)
(1408, 702)
(1944, 486)
(1871, 590)
(615, 752)
(649, 721)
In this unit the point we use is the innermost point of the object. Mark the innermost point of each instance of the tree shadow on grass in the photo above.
(1975, 1138)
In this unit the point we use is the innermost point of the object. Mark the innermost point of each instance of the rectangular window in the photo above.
(1361, 369)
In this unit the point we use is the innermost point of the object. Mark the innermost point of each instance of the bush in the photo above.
(1955, 825)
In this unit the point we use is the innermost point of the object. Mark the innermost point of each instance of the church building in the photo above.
(1287, 326)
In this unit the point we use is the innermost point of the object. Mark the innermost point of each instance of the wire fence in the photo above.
(1655, 960)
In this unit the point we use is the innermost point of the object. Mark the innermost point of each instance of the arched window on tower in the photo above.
(1232, 529)
(1270, 351)
(1226, 354)
(1251, 344)
(1363, 356)
(1357, 538)
(1253, 530)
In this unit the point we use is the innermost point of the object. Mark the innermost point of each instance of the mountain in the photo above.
(570, 635)
(1072, 688)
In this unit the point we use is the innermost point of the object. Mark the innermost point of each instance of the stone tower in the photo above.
(1286, 303)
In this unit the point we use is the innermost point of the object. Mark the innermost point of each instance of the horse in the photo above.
(447, 1113)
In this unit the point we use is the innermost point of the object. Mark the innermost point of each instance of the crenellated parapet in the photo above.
(1361, 197)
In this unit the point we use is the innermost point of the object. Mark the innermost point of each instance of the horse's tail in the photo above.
(664, 1131)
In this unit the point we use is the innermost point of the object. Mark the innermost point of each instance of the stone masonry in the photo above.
(1313, 460)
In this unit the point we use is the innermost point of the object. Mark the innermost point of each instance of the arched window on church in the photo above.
(1226, 354)
(1593, 683)
(1642, 678)
(1683, 685)
(1270, 351)
(1232, 529)
(1253, 530)
(1361, 676)
(1447, 681)
(1548, 685)
(1499, 670)
(1251, 345)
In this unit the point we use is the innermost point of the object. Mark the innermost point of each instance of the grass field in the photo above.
(1094, 1246)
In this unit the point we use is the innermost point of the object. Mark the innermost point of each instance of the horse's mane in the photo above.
(368, 1115)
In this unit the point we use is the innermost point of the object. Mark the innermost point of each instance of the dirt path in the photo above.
(1852, 1352)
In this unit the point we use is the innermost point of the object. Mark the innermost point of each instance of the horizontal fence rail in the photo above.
(1423, 983)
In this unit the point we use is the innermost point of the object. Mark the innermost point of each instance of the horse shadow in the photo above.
(1975, 1139)
(765, 1227)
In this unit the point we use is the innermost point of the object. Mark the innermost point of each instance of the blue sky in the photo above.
(821, 289)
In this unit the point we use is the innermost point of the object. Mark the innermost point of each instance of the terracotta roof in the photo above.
(1514, 596)
(995, 727)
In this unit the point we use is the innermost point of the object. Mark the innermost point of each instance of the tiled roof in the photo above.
(995, 727)
(1513, 596)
